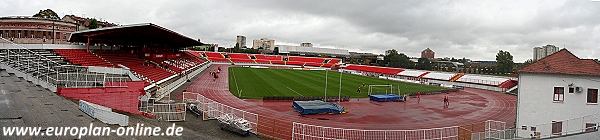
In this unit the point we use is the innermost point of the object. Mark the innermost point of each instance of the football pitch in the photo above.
(257, 83)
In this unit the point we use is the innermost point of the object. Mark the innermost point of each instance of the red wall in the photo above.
(119, 98)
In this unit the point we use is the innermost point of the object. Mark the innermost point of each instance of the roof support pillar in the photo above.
(88, 44)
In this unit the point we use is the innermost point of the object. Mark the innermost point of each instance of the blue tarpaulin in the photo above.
(386, 97)
(318, 107)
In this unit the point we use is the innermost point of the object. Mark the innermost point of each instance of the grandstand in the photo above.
(115, 77)
(240, 58)
(496, 83)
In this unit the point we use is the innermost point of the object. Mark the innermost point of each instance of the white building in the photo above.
(306, 44)
(299, 50)
(264, 43)
(541, 52)
(558, 95)
(241, 41)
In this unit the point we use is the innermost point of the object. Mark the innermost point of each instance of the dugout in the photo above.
(318, 107)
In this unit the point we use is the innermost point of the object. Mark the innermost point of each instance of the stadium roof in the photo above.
(146, 33)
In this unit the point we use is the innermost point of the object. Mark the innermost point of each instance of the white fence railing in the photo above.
(211, 109)
(561, 127)
(50, 74)
(313, 132)
(165, 90)
(494, 129)
(170, 112)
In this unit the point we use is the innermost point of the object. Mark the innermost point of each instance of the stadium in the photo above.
(144, 70)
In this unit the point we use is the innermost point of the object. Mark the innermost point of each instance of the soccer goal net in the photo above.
(381, 89)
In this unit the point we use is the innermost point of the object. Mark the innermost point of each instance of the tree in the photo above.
(424, 64)
(397, 60)
(324, 56)
(48, 13)
(93, 24)
(505, 62)
(527, 62)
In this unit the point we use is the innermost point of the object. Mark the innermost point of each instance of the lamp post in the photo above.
(325, 97)
(340, 91)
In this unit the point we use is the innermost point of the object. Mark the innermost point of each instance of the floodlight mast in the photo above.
(340, 91)
(325, 97)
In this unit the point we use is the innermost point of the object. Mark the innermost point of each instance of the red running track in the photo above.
(466, 107)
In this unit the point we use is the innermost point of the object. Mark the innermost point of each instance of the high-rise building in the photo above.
(541, 52)
(241, 41)
(428, 53)
(264, 43)
(306, 44)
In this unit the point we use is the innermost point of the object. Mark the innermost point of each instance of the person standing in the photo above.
(447, 101)
(419, 95)
(358, 91)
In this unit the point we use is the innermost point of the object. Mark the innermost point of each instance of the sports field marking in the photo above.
(294, 91)
(236, 85)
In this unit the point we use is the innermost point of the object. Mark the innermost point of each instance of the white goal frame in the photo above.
(371, 88)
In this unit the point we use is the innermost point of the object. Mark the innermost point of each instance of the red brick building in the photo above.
(428, 53)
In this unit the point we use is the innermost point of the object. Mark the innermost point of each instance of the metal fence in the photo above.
(493, 129)
(165, 90)
(211, 109)
(52, 74)
(170, 112)
(313, 132)
(559, 128)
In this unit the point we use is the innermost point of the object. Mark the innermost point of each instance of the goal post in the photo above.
(381, 89)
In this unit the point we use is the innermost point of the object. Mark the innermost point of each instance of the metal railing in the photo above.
(211, 109)
(165, 90)
(306, 131)
(559, 128)
(50, 73)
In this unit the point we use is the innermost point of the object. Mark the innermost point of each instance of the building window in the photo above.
(523, 127)
(559, 94)
(556, 128)
(571, 89)
(590, 127)
(533, 128)
(592, 96)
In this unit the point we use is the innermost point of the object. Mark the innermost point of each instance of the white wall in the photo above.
(535, 105)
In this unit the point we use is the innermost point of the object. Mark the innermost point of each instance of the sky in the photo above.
(473, 29)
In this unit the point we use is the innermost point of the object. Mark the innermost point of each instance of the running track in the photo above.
(466, 107)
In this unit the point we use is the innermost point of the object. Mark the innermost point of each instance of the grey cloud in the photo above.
(472, 29)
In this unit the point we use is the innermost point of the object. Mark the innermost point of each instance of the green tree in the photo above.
(527, 62)
(396, 60)
(93, 24)
(505, 62)
(424, 64)
(324, 56)
(48, 13)
(237, 49)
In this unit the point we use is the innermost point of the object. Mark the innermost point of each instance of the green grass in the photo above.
(256, 83)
